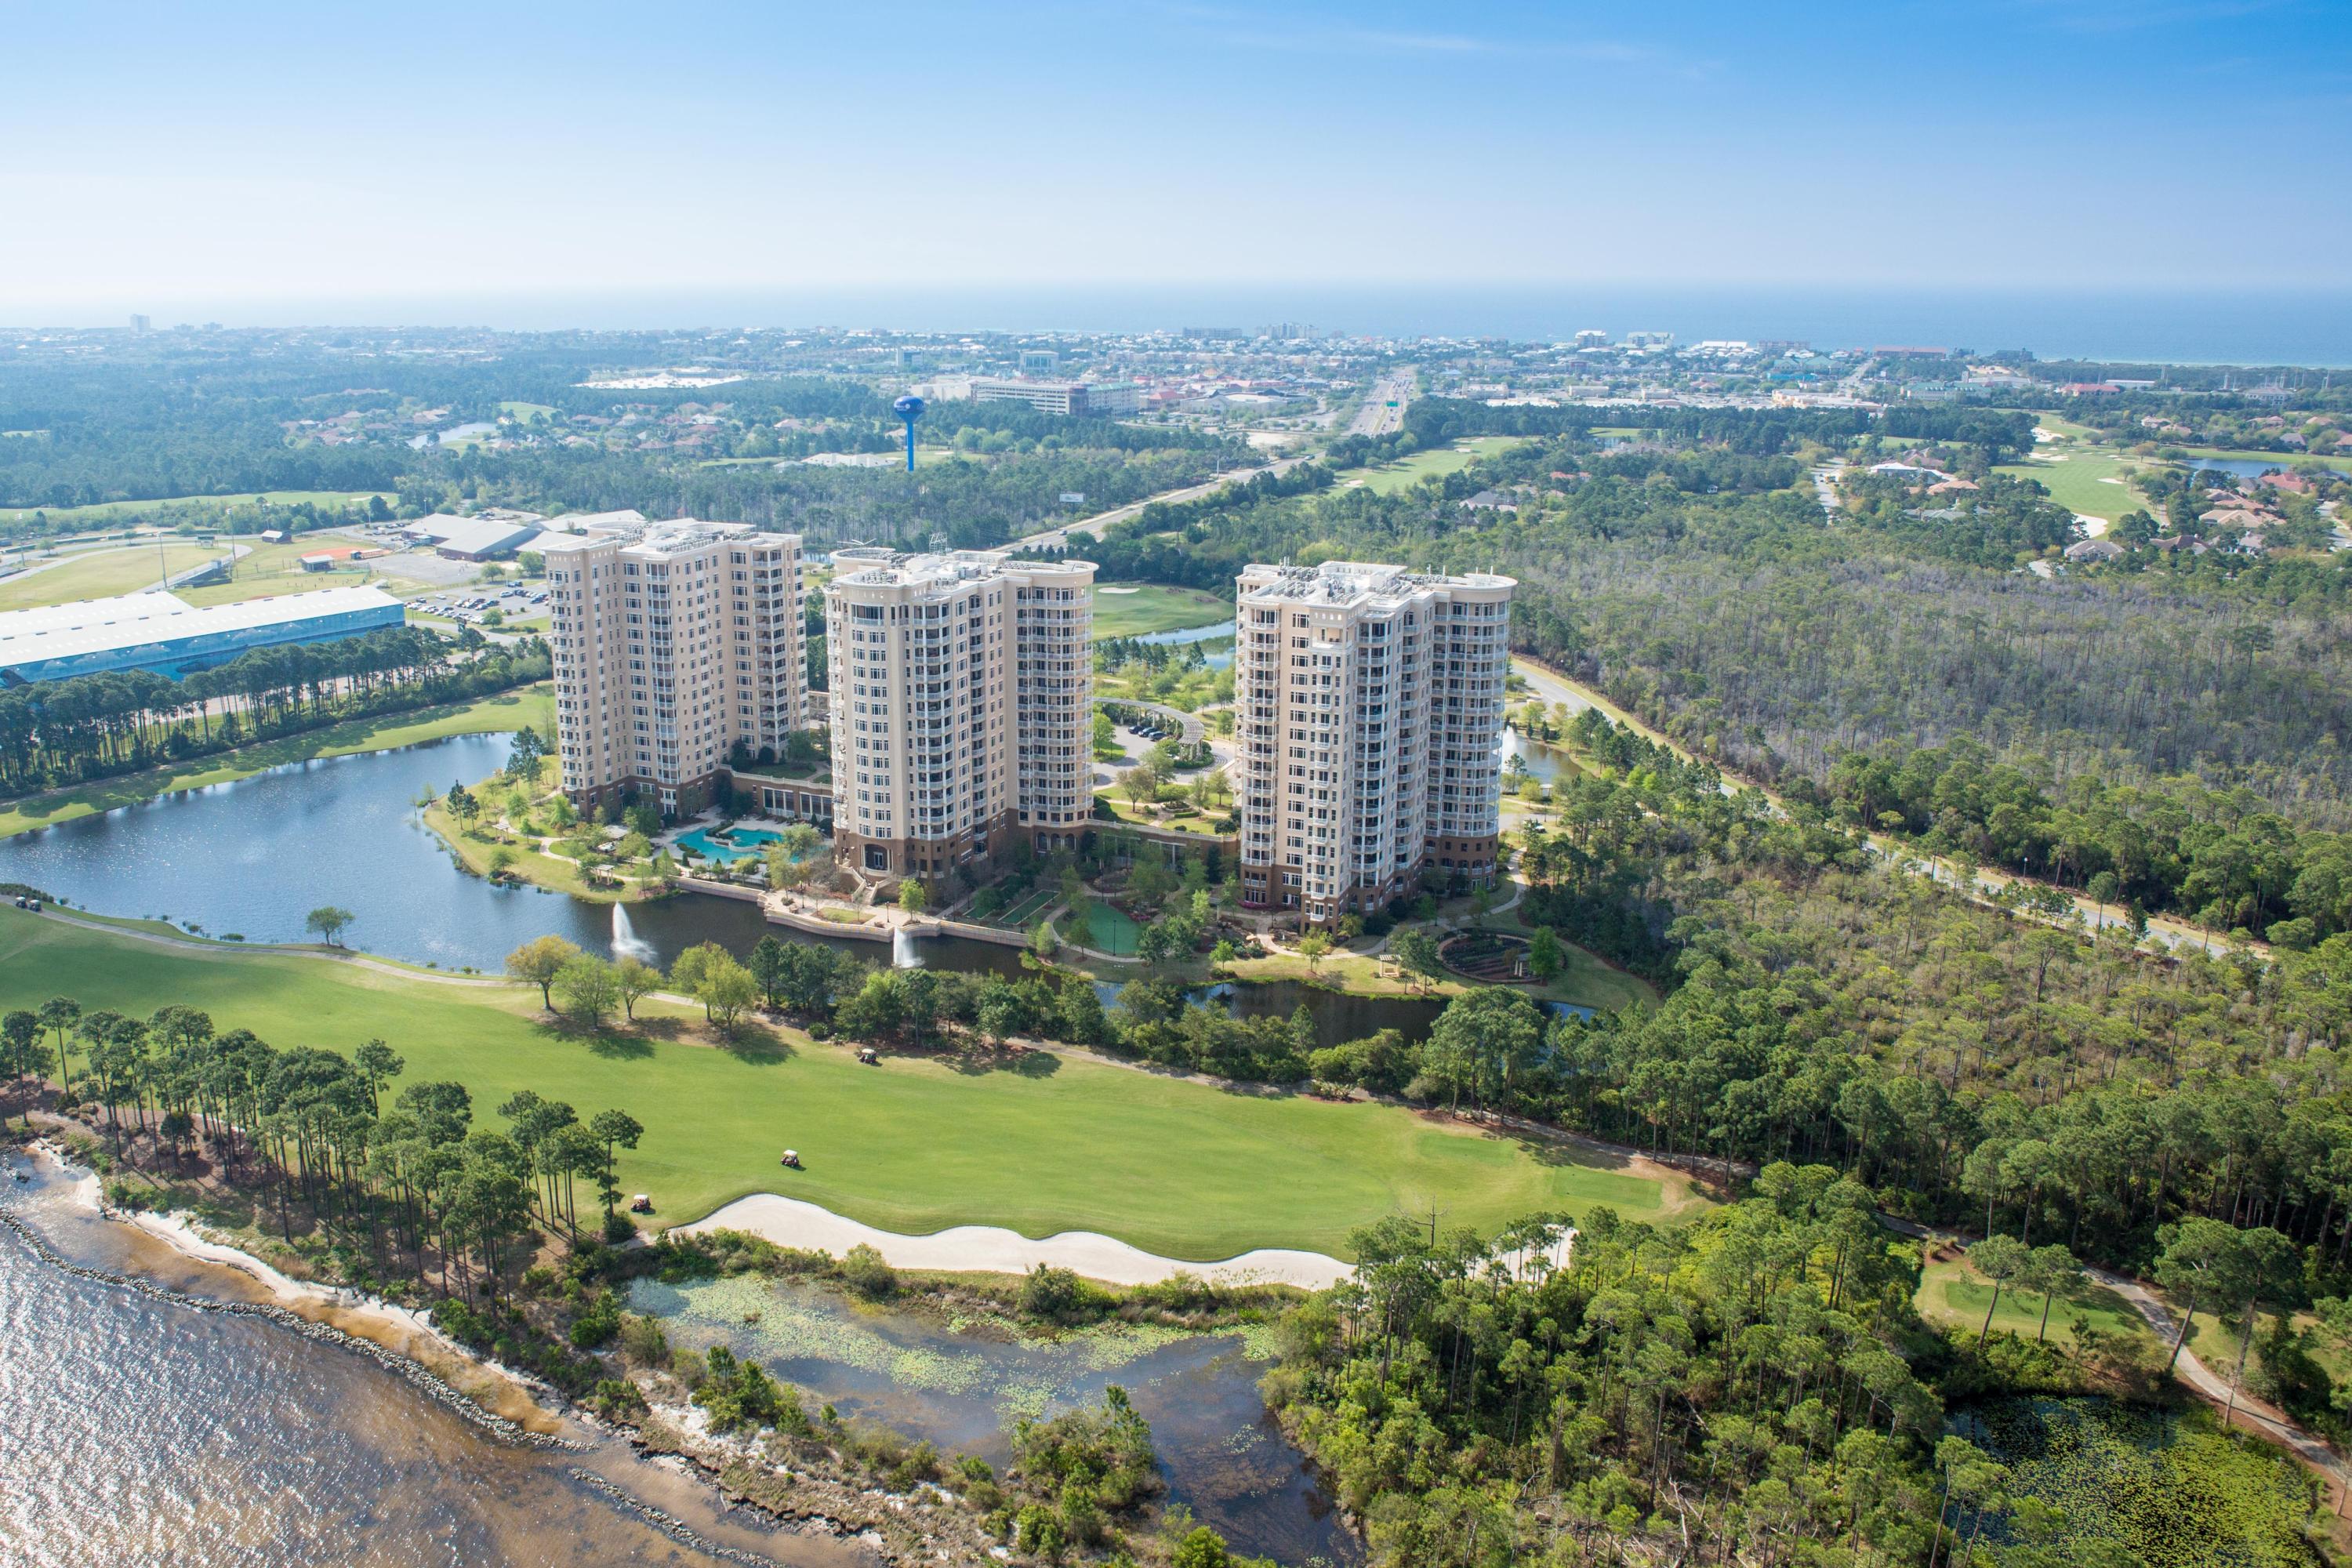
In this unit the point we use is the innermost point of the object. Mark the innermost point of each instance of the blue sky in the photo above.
(181, 156)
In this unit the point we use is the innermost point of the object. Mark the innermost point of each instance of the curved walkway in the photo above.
(991, 1249)
(2266, 1420)
(284, 950)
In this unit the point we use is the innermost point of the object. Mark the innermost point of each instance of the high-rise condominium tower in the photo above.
(1371, 704)
(672, 642)
(962, 695)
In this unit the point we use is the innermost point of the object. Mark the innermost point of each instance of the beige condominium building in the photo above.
(1370, 715)
(962, 695)
(672, 641)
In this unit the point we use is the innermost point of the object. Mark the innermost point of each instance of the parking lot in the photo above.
(470, 605)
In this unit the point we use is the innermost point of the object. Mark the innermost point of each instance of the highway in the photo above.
(1092, 527)
(1376, 419)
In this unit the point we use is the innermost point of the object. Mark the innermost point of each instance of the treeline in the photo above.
(1751, 628)
(1993, 525)
(59, 732)
(1757, 432)
(1747, 1388)
(976, 501)
(2173, 845)
(1832, 1008)
(406, 1183)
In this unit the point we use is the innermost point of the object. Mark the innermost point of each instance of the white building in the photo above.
(1076, 397)
(672, 643)
(961, 697)
(1370, 709)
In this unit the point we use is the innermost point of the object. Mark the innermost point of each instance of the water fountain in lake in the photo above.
(902, 951)
(626, 943)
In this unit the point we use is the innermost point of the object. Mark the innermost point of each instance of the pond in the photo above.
(253, 857)
(2238, 468)
(2143, 1481)
(1538, 759)
(1222, 630)
(1221, 1454)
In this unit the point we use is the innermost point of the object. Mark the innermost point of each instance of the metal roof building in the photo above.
(485, 539)
(174, 638)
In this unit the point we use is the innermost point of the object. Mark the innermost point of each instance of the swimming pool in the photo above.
(743, 843)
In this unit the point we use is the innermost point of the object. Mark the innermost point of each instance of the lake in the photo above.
(1221, 633)
(253, 857)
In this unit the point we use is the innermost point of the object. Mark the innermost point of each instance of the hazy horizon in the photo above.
(234, 164)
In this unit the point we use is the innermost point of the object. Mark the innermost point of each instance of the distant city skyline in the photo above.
(274, 160)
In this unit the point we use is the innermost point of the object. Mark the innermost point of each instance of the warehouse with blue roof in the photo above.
(155, 631)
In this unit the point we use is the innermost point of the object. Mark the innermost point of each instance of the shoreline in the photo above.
(340, 1316)
(813, 1501)
(328, 1303)
(73, 802)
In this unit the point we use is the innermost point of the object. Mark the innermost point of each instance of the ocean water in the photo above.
(2251, 327)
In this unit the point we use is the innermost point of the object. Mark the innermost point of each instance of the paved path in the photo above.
(2266, 1420)
(1193, 729)
(2163, 931)
(240, 950)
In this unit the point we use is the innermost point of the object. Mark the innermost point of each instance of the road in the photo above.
(1092, 527)
(2164, 932)
(1376, 419)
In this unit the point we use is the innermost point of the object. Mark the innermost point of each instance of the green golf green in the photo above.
(1178, 1168)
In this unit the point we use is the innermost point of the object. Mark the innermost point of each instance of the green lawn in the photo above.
(269, 570)
(106, 512)
(1953, 1293)
(100, 575)
(1175, 1167)
(1154, 609)
(2076, 479)
(534, 706)
(1437, 461)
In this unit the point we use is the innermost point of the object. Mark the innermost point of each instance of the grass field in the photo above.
(269, 570)
(1953, 1293)
(106, 512)
(1154, 609)
(534, 706)
(2075, 477)
(1431, 464)
(1174, 1167)
(100, 575)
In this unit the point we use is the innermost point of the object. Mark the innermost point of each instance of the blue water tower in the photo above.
(909, 408)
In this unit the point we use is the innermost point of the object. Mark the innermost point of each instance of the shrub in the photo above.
(642, 1340)
(1038, 1532)
(617, 1399)
(1059, 1296)
(618, 1229)
(864, 1270)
